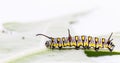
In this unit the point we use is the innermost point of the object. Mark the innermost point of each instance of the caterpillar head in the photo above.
(47, 44)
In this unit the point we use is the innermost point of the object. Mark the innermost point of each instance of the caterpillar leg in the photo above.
(111, 48)
(84, 47)
(77, 47)
(96, 49)
(60, 47)
(88, 47)
(52, 47)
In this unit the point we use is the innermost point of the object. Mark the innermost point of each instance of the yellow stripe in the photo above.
(73, 43)
(89, 38)
(96, 39)
(103, 39)
(80, 44)
(63, 39)
(58, 39)
(83, 37)
(52, 39)
(92, 45)
(76, 37)
(100, 45)
(85, 43)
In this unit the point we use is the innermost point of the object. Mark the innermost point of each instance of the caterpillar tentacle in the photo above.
(44, 36)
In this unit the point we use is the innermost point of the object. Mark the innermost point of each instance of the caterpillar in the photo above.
(86, 42)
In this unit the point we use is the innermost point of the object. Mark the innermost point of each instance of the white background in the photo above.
(104, 18)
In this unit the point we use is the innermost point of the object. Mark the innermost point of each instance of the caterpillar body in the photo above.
(86, 42)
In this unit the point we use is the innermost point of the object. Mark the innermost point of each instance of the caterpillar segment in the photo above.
(86, 42)
(77, 42)
(89, 42)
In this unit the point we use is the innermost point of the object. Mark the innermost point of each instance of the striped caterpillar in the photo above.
(86, 42)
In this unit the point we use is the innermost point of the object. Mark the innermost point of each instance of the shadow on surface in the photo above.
(91, 53)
